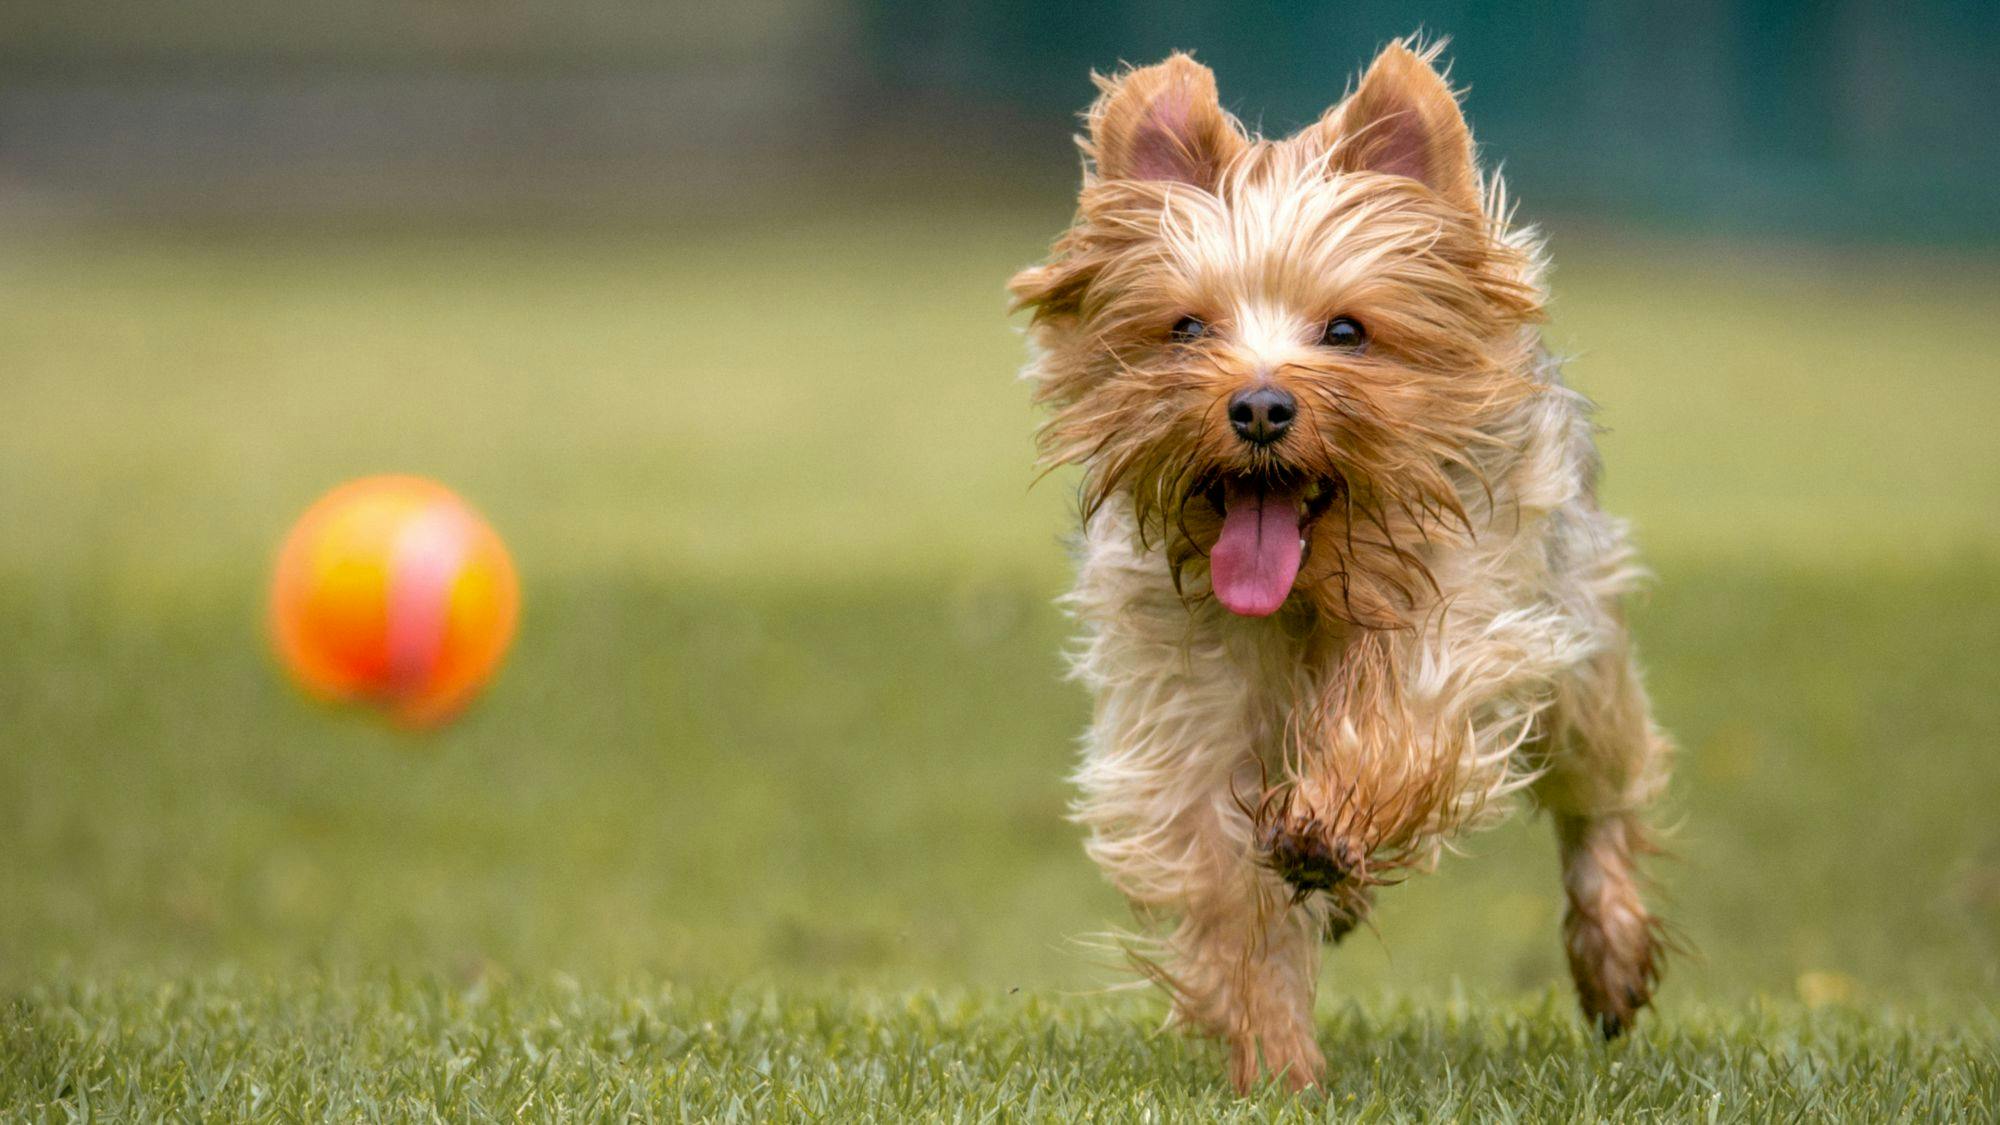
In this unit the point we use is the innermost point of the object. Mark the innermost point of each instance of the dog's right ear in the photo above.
(1162, 122)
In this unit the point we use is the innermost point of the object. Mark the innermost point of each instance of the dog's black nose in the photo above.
(1261, 415)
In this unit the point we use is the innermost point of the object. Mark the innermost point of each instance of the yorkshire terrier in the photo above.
(1344, 585)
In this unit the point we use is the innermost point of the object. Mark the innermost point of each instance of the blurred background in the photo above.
(702, 305)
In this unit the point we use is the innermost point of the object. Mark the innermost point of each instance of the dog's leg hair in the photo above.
(1415, 737)
(1160, 797)
(1606, 762)
(1612, 942)
(1184, 712)
(1242, 962)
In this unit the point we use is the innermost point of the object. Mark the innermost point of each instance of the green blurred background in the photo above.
(704, 309)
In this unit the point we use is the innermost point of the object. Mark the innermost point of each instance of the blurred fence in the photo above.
(1858, 118)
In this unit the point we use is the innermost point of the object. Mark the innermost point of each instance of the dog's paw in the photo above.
(1616, 965)
(1293, 1060)
(1306, 855)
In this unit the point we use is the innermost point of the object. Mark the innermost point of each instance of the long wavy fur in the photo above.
(1453, 637)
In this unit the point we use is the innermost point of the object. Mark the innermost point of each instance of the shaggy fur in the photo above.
(1452, 637)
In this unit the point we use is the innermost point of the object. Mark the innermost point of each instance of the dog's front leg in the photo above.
(1408, 737)
(1240, 960)
(1243, 959)
(1173, 757)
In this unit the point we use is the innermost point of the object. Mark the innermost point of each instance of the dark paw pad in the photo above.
(1307, 860)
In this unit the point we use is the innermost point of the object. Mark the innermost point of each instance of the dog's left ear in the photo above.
(1404, 120)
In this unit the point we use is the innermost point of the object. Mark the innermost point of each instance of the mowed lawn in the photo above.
(765, 816)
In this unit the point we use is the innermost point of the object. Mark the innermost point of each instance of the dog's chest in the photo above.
(1274, 669)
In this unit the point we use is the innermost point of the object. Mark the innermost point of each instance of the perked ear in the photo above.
(1162, 122)
(1404, 120)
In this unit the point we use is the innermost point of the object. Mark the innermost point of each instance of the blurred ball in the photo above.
(391, 591)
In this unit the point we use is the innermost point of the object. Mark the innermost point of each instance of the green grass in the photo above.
(398, 1049)
(765, 815)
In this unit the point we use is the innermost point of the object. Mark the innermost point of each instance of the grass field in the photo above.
(764, 818)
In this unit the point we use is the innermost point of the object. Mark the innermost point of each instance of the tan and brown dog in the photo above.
(1344, 584)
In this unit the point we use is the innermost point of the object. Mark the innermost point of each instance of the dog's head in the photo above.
(1289, 355)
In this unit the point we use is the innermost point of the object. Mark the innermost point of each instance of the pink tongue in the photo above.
(1252, 566)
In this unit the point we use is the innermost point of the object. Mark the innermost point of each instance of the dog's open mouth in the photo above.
(1266, 523)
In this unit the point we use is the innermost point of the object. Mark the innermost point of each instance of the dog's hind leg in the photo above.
(1606, 762)
(1612, 941)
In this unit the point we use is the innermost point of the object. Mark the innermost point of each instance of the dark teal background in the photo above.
(1863, 119)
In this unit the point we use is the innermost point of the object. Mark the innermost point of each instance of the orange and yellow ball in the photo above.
(392, 591)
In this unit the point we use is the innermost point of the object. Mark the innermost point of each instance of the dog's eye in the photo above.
(1189, 328)
(1344, 332)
